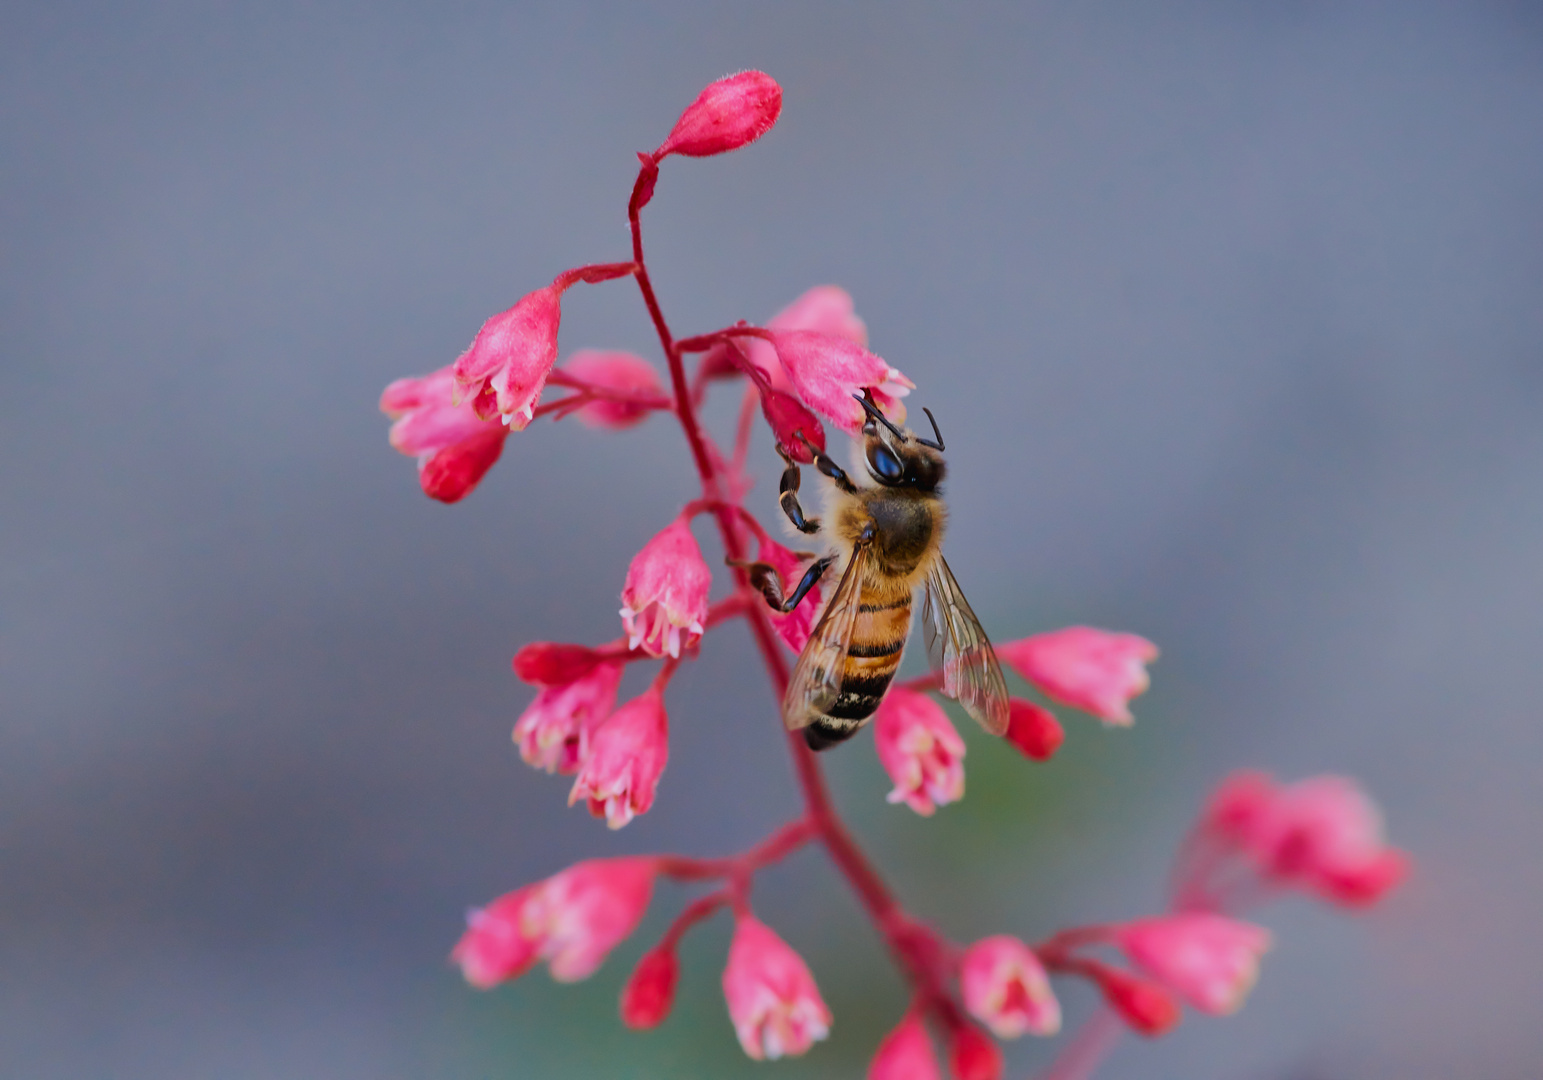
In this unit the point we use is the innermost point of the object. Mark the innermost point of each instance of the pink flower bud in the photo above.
(1145, 1006)
(1208, 960)
(773, 1002)
(730, 113)
(1005, 987)
(620, 371)
(650, 992)
(552, 663)
(1092, 670)
(504, 371)
(664, 601)
(571, 920)
(627, 755)
(1033, 729)
(827, 309)
(795, 626)
(454, 446)
(553, 733)
(972, 1056)
(905, 1054)
(1324, 835)
(788, 419)
(920, 749)
(1238, 805)
(826, 371)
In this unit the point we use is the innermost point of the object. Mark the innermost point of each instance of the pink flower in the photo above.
(791, 424)
(1093, 670)
(905, 1054)
(920, 750)
(553, 663)
(1238, 804)
(571, 920)
(553, 732)
(826, 371)
(454, 446)
(1033, 729)
(728, 114)
(1208, 960)
(506, 367)
(794, 627)
(666, 593)
(1005, 987)
(650, 992)
(773, 1002)
(1148, 1008)
(972, 1056)
(619, 371)
(827, 309)
(627, 754)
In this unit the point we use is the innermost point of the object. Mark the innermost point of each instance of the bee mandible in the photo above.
(887, 541)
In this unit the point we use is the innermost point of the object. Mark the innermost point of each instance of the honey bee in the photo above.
(888, 540)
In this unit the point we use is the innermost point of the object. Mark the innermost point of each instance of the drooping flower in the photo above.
(920, 749)
(773, 1002)
(1146, 1006)
(553, 732)
(728, 114)
(1005, 987)
(1033, 729)
(828, 371)
(505, 369)
(972, 1055)
(454, 446)
(1209, 960)
(794, 627)
(612, 370)
(1092, 670)
(664, 601)
(650, 993)
(827, 309)
(905, 1054)
(571, 920)
(627, 755)
(1238, 804)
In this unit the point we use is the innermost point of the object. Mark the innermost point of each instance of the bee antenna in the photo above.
(928, 442)
(865, 399)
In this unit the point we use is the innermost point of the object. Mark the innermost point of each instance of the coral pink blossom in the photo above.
(905, 1054)
(618, 371)
(1238, 804)
(571, 920)
(664, 601)
(1093, 670)
(553, 732)
(650, 992)
(627, 754)
(1148, 1008)
(1005, 987)
(1208, 960)
(920, 749)
(794, 627)
(1033, 729)
(773, 1002)
(828, 371)
(728, 114)
(972, 1056)
(827, 309)
(504, 371)
(454, 446)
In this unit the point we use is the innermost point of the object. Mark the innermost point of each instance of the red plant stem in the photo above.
(918, 949)
(693, 913)
(742, 432)
(776, 847)
(1060, 944)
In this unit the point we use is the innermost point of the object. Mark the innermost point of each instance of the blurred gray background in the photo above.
(1231, 316)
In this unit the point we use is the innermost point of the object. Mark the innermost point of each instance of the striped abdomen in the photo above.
(878, 639)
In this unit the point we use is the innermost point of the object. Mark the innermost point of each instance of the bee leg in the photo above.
(810, 579)
(787, 497)
(764, 576)
(826, 465)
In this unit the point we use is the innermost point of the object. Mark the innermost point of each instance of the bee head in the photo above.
(900, 458)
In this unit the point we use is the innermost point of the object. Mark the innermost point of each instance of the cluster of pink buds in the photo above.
(808, 366)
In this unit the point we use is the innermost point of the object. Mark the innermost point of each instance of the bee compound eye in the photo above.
(885, 465)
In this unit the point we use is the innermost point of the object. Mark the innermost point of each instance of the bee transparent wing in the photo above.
(957, 646)
(816, 679)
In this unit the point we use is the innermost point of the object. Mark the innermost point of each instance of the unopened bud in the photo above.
(972, 1055)
(730, 113)
(1146, 1007)
(1034, 729)
(650, 992)
(550, 663)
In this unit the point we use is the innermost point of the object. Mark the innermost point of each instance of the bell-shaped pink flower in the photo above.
(454, 446)
(612, 370)
(1324, 834)
(1208, 960)
(571, 920)
(650, 992)
(1033, 729)
(828, 371)
(664, 601)
(795, 626)
(1092, 670)
(1005, 987)
(728, 114)
(504, 371)
(826, 309)
(627, 755)
(920, 749)
(905, 1054)
(553, 733)
(773, 1002)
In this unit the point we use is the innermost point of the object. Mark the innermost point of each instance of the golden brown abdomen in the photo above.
(878, 639)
